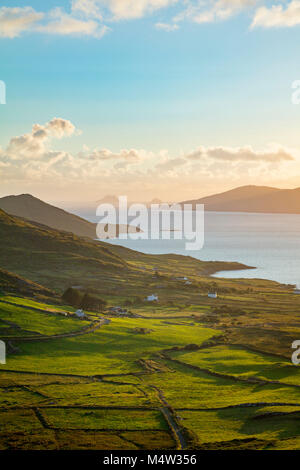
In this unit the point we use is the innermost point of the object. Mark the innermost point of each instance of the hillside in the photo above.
(253, 199)
(38, 252)
(10, 282)
(33, 209)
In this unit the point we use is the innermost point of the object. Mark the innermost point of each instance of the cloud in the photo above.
(60, 127)
(277, 16)
(14, 21)
(171, 164)
(167, 27)
(127, 155)
(209, 12)
(130, 9)
(64, 24)
(91, 17)
(34, 144)
(87, 7)
(30, 160)
(241, 154)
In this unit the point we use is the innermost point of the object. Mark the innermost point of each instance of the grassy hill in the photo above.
(10, 282)
(253, 199)
(43, 254)
(33, 209)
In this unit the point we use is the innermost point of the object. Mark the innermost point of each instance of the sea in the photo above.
(268, 242)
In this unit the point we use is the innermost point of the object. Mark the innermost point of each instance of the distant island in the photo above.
(252, 199)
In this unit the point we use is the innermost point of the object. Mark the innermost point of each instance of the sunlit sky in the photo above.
(149, 98)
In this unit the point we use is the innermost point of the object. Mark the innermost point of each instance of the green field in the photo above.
(113, 349)
(34, 322)
(177, 376)
(239, 362)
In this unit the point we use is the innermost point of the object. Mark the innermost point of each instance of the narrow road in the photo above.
(87, 329)
(168, 415)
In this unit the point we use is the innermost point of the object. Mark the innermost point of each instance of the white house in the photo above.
(152, 298)
(212, 295)
(80, 313)
(296, 291)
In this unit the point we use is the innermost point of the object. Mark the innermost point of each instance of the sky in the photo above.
(174, 99)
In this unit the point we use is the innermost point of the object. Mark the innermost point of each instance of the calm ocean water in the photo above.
(270, 242)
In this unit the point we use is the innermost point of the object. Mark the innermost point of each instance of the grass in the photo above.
(226, 425)
(105, 419)
(15, 396)
(113, 349)
(97, 393)
(213, 408)
(186, 388)
(239, 362)
(36, 322)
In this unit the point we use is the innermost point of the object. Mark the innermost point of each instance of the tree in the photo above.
(72, 297)
(92, 303)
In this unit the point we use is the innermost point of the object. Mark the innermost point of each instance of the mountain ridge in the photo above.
(34, 209)
(252, 198)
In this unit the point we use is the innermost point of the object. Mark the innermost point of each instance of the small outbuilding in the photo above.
(212, 295)
(152, 298)
(80, 313)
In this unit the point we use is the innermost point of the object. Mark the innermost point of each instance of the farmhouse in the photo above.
(118, 310)
(80, 313)
(212, 295)
(152, 298)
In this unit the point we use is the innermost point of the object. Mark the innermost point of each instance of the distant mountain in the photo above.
(253, 199)
(33, 209)
(110, 199)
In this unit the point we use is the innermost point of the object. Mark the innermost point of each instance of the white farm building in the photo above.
(212, 295)
(80, 313)
(152, 298)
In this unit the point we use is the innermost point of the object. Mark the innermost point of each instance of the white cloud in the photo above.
(14, 21)
(87, 7)
(241, 154)
(64, 24)
(60, 127)
(169, 164)
(90, 17)
(211, 11)
(278, 16)
(167, 27)
(126, 155)
(34, 144)
(30, 160)
(129, 9)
